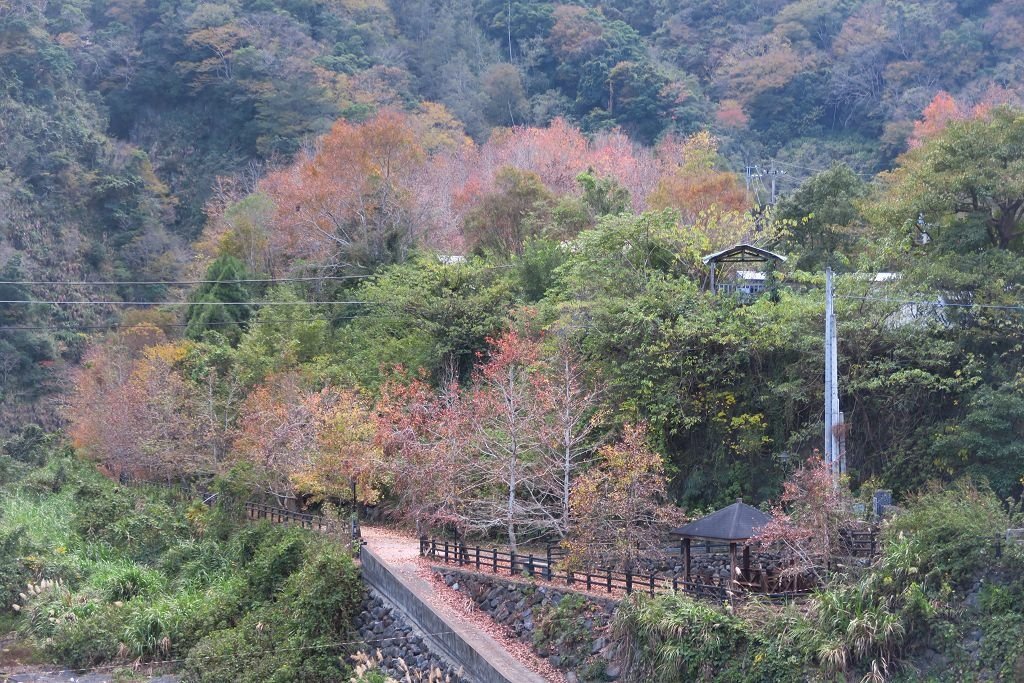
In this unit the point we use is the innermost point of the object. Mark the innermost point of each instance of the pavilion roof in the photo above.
(743, 253)
(737, 522)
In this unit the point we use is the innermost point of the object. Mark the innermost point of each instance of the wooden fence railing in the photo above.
(545, 567)
(278, 515)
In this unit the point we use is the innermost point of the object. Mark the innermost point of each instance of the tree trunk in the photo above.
(1006, 224)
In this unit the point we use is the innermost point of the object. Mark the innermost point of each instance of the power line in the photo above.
(186, 303)
(815, 170)
(939, 304)
(217, 323)
(111, 283)
(159, 662)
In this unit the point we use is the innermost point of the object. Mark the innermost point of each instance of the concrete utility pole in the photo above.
(774, 173)
(834, 455)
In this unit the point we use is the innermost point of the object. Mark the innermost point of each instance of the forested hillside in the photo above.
(431, 176)
(447, 262)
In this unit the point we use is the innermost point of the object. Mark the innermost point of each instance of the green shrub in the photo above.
(126, 580)
(11, 470)
(277, 556)
(49, 479)
(32, 445)
(562, 629)
(196, 563)
(325, 594)
(294, 638)
(86, 641)
(164, 626)
(265, 647)
(14, 571)
(952, 531)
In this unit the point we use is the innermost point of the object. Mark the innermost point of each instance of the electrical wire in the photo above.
(938, 304)
(815, 170)
(183, 303)
(216, 323)
(160, 662)
(112, 283)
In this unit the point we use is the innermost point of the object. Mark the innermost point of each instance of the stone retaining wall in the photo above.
(441, 636)
(573, 640)
(384, 629)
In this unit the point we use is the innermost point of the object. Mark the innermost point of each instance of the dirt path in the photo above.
(402, 556)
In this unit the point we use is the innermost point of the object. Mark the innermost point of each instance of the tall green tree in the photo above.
(820, 217)
(225, 286)
(966, 184)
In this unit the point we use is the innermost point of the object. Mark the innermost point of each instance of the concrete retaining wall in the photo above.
(442, 637)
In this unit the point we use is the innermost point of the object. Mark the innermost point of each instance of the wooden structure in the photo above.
(738, 254)
(734, 525)
(546, 566)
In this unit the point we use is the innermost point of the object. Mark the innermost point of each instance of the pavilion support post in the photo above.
(686, 559)
(713, 264)
(732, 565)
(746, 563)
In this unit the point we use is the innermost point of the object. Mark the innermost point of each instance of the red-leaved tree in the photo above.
(806, 522)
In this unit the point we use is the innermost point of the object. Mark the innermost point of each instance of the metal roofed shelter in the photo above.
(740, 253)
(735, 523)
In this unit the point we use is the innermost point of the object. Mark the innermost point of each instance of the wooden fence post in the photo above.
(529, 565)
(652, 584)
(478, 558)
(494, 560)
(609, 580)
(588, 580)
(446, 552)
(512, 563)
(629, 582)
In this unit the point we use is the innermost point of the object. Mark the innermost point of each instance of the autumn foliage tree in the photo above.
(133, 412)
(806, 522)
(498, 456)
(692, 184)
(346, 204)
(419, 432)
(317, 444)
(620, 507)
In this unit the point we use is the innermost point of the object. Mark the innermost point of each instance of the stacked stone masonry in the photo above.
(519, 606)
(383, 628)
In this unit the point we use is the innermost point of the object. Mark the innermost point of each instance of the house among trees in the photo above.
(725, 278)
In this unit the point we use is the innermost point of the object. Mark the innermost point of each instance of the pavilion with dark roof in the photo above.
(734, 524)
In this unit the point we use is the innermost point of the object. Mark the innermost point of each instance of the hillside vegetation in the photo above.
(101, 575)
(445, 258)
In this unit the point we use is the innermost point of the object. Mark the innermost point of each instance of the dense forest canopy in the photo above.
(433, 176)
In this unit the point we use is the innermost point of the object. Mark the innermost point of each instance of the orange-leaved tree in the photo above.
(309, 443)
(133, 412)
(620, 507)
(691, 183)
(346, 204)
